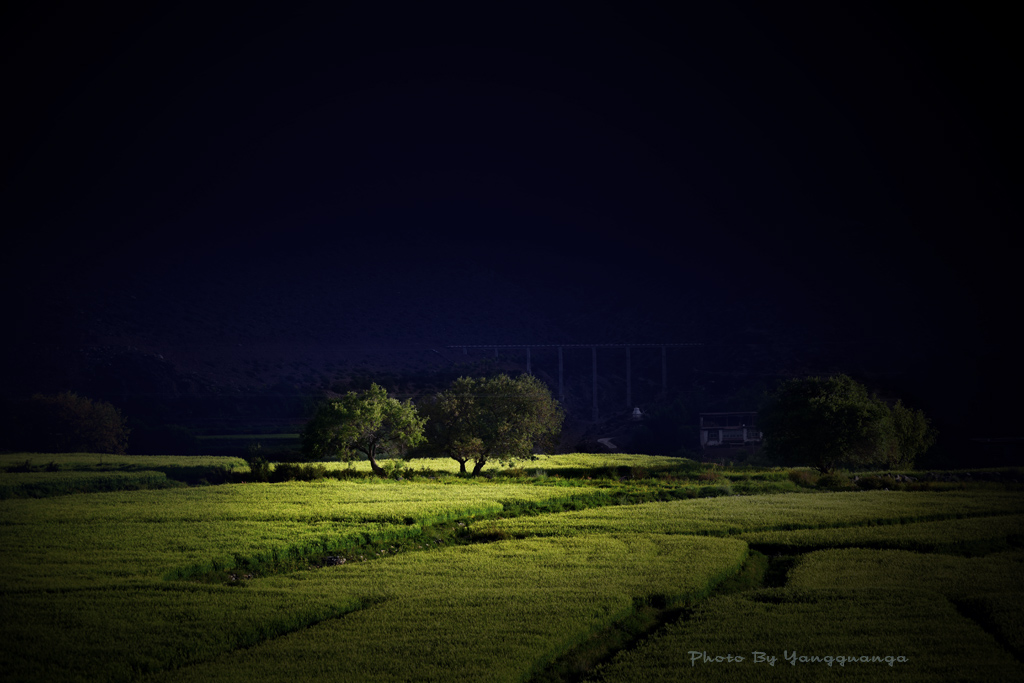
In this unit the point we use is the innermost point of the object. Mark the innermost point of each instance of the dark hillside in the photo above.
(214, 215)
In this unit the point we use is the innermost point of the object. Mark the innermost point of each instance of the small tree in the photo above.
(367, 423)
(496, 419)
(67, 422)
(826, 422)
(913, 436)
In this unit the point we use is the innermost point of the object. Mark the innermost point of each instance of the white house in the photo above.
(728, 429)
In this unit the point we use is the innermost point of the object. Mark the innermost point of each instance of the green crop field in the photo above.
(557, 574)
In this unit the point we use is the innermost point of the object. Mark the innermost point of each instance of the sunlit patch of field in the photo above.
(571, 461)
(150, 533)
(740, 514)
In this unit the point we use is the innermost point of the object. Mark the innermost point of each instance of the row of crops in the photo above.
(222, 583)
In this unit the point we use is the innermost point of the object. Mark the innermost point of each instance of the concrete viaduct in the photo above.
(593, 351)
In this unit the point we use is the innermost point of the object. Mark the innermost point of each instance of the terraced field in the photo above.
(438, 578)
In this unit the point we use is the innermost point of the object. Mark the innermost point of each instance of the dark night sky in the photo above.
(837, 173)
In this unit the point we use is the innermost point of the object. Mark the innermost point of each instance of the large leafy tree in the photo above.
(481, 420)
(361, 424)
(827, 422)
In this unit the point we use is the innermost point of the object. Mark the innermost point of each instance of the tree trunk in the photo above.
(479, 466)
(462, 465)
(377, 469)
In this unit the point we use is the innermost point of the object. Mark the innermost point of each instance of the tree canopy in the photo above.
(481, 420)
(367, 423)
(831, 422)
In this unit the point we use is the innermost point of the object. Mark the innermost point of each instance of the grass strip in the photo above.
(46, 484)
(734, 515)
(855, 569)
(969, 536)
(107, 462)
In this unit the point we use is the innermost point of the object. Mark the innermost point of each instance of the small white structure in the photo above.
(728, 429)
(637, 415)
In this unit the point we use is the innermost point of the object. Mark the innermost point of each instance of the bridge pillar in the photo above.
(561, 386)
(664, 373)
(629, 385)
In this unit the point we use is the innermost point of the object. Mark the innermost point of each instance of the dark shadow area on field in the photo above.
(973, 548)
(648, 617)
(766, 567)
(58, 485)
(264, 636)
(986, 614)
(64, 478)
(189, 643)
